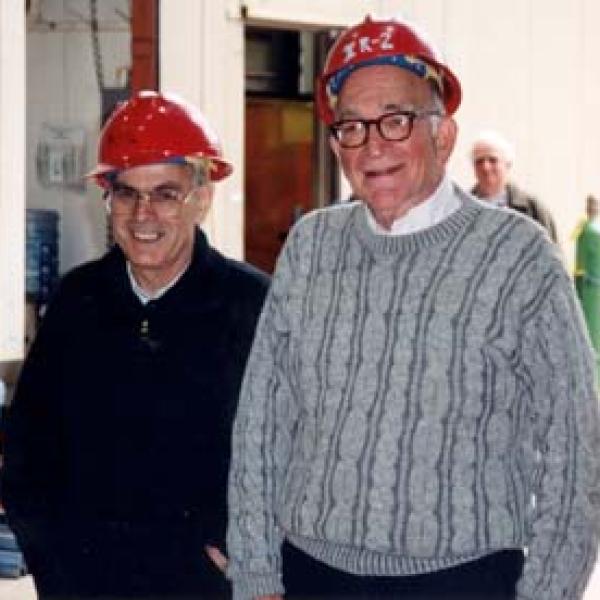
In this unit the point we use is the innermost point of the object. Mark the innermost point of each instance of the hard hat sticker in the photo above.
(367, 45)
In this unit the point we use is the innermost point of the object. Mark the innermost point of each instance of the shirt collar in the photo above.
(500, 199)
(145, 296)
(442, 203)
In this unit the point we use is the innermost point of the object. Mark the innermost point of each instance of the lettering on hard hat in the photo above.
(349, 52)
(365, 45)
(386, 39)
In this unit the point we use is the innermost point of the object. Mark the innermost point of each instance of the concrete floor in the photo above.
(17, 589)
(22, 588)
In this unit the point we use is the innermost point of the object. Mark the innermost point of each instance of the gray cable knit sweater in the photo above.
(413, 402)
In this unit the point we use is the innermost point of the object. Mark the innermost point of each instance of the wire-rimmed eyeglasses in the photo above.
(395, 127)
(164, 200)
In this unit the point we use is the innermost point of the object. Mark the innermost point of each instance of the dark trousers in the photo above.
(125, 561)
(490, 578)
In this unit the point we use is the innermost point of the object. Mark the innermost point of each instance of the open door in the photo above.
(289, 168)
(279, 174)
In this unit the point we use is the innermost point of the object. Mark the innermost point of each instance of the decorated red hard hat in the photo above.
(151, 128)
(389, 41)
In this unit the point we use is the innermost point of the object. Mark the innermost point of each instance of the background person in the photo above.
(117, 444)
(492, 156)
(420, 371)
(587, 270)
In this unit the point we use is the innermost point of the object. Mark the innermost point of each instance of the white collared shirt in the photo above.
(442, 203)
(145, 296)
(500, 199)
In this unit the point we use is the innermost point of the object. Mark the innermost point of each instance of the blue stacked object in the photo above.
(12, 563)
(41, 256)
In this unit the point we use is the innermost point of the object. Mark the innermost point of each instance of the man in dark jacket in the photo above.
(117, 443)
(493, 156)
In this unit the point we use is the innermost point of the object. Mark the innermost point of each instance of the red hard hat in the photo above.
(382, 41)
(151, 128)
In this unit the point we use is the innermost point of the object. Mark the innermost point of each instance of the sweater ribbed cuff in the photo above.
(248, 587)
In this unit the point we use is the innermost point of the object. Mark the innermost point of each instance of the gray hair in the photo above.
(437, 105)
(200, 168)
(492, 138)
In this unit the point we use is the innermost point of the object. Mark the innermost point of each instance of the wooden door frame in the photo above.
(144, 45)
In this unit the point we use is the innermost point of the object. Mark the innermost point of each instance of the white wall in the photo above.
(12, 178)
(202, 58)
(528, 70)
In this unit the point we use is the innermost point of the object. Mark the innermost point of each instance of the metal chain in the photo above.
(96, 44)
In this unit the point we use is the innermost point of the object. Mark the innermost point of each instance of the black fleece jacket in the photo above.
(119, 432)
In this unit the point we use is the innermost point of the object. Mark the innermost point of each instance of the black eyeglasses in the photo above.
(394, 127)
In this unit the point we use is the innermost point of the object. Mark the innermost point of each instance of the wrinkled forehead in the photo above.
(418, 72)
(385, 86)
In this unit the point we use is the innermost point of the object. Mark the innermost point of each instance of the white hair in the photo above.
(497, 141)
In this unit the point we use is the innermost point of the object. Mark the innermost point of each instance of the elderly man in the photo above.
(493, 156)
(418, 417)
(117, 444)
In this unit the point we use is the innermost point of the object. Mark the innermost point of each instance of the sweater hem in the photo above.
(251, 586)
(363, 561)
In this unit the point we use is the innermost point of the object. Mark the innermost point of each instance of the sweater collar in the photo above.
(438, 233)
(431, 211)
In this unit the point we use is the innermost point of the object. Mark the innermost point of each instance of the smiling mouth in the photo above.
(371, 173)
(147, 236)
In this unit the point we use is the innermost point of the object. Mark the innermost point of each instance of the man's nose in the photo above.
(143, 205)
(375, 140)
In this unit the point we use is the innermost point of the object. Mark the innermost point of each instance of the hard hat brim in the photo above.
(218, 169)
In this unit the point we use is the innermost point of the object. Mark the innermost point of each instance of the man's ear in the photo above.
(334, 145)
(445, 138)
(203, 195)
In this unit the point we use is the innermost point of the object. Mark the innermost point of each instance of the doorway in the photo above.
(289, 168)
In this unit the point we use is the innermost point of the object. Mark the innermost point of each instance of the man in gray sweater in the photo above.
(418, 417)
